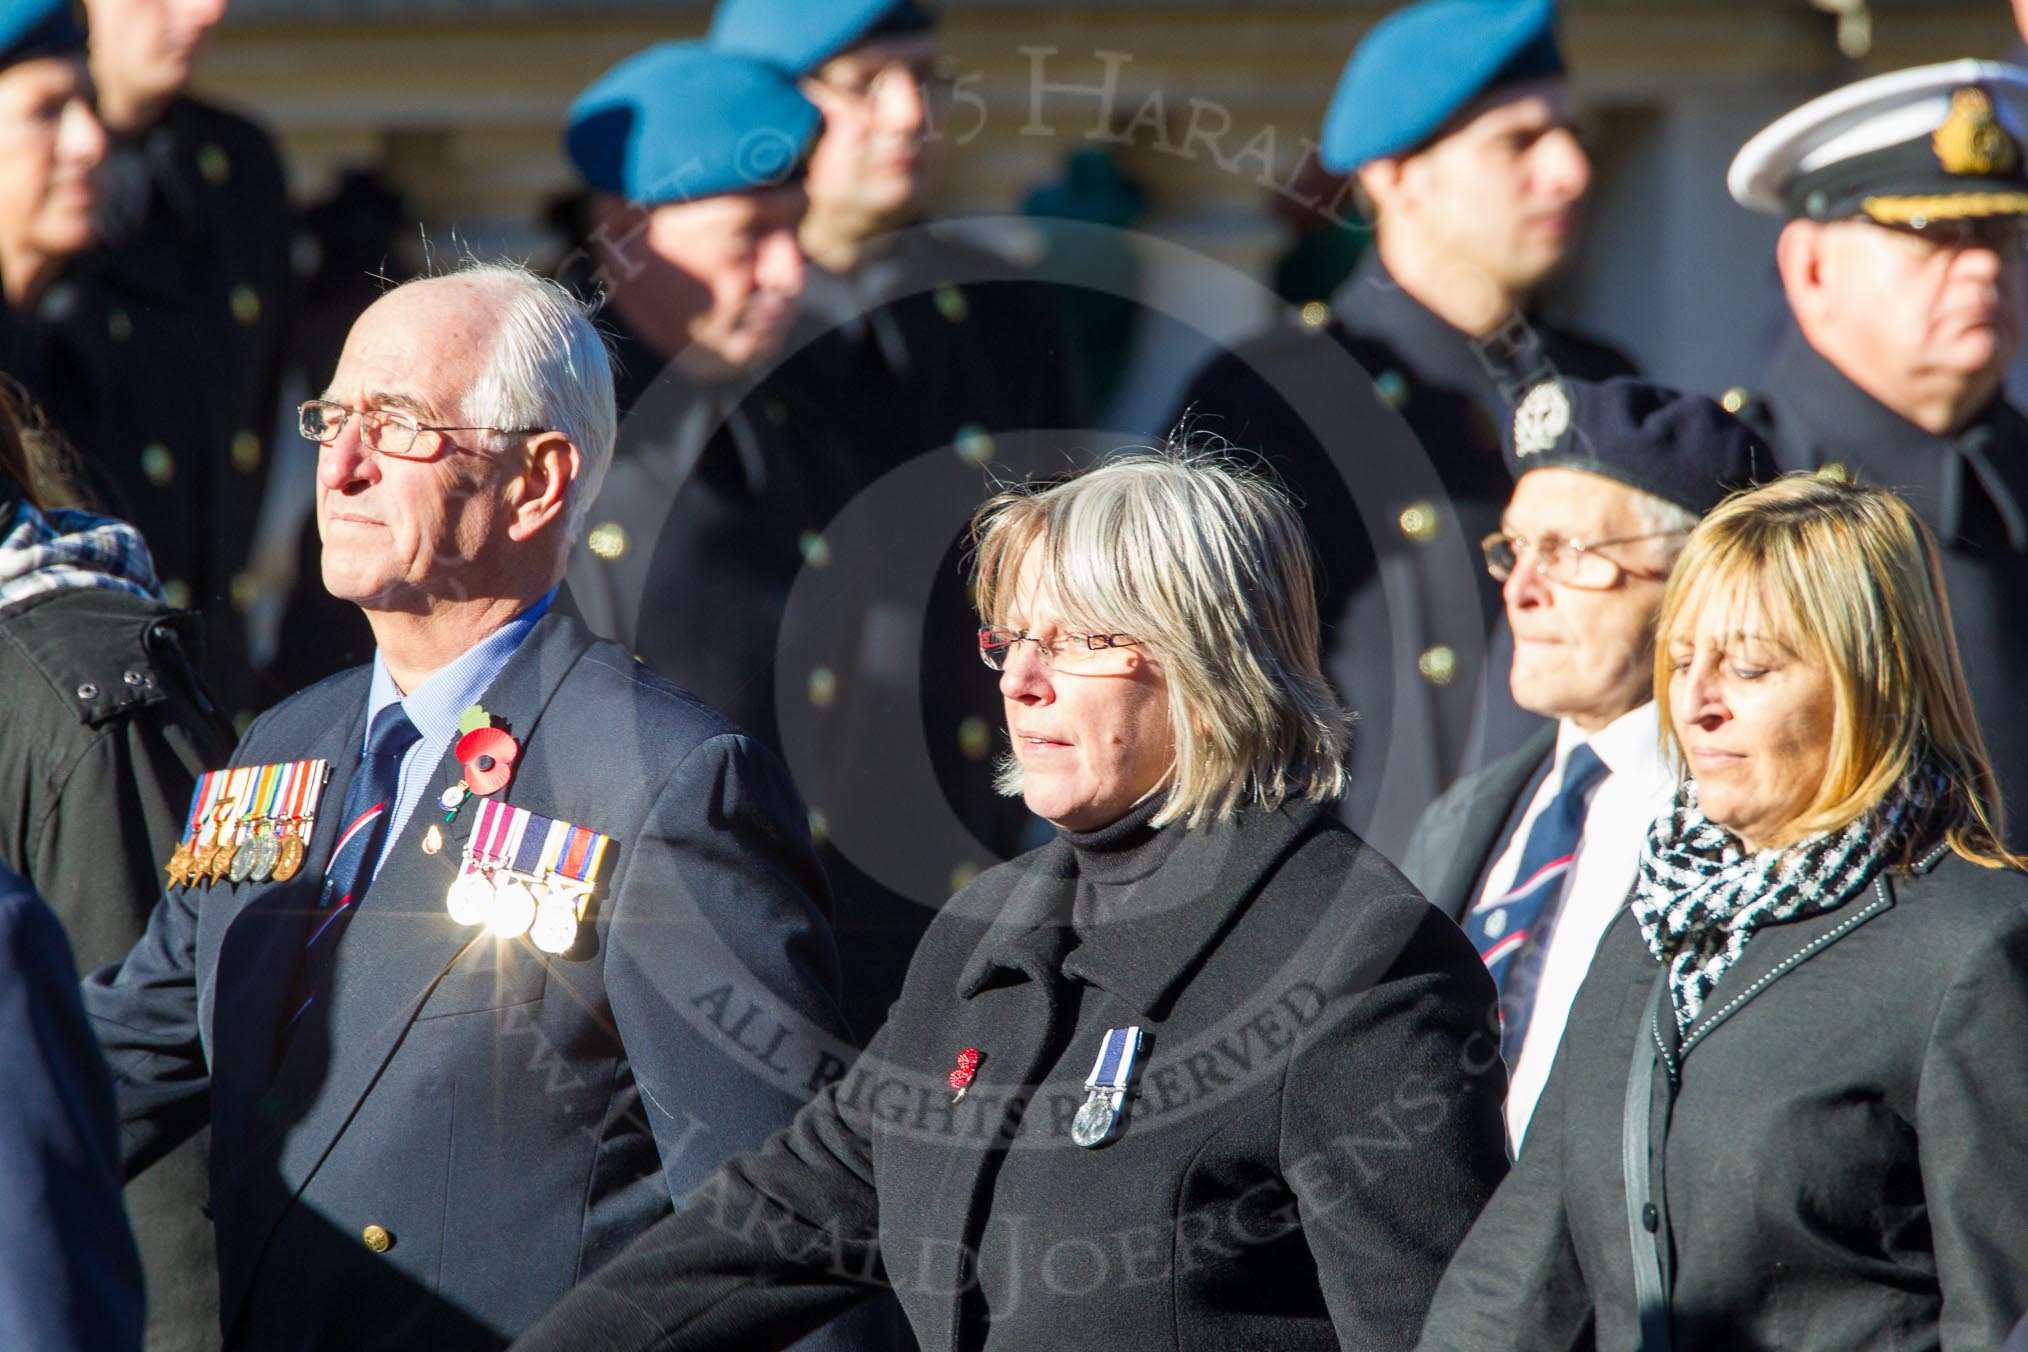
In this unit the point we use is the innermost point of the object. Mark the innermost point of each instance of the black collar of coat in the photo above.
(1373, 306)
(1147, 959)
(1845, 424)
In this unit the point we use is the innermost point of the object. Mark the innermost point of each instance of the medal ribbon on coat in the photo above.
(1098, 1121)
(523, 871)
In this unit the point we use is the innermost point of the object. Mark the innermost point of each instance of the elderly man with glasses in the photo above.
(1901, 262)
(1534, 854)
(477, 958)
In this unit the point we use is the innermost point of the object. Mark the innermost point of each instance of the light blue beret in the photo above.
(1420, 65)
(39, 28)
(682, 121)
(801, 35)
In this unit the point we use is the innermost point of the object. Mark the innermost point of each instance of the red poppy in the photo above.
(487, 757)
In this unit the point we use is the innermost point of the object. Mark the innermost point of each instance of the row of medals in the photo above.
(274, 852)
(506, 903)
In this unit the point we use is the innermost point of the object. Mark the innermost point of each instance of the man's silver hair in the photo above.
(548, 368)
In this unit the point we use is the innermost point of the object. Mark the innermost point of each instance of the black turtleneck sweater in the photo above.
(1114, 861)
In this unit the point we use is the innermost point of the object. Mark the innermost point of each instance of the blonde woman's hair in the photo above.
(1847, 573)
(1203, 559)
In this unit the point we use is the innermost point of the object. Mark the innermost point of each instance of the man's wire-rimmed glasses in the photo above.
(385, 431)
(1574, 563)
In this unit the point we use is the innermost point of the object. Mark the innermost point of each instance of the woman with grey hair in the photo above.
(1202, 1071)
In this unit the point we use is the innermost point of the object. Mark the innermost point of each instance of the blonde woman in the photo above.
(1787, 1107)
(1204, 1071)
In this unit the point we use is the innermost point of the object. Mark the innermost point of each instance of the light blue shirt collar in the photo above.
(435, 705)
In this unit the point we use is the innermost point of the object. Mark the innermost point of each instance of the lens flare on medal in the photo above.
(555, 928)
(513, 909)
(961, 1078)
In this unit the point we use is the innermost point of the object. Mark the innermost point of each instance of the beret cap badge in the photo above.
(1542, 418)
(1971, 140)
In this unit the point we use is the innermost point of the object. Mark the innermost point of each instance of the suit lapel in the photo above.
(1776, 950)
(389, 960)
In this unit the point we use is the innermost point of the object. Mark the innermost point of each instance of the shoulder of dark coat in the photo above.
(1586, 356)
(640, 700)
(1956, 897)
(99, 653)
(251, 149)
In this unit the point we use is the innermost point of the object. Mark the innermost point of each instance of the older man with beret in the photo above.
(1901, 260)
(1534, 854)
(478, 957)
(1384, 407)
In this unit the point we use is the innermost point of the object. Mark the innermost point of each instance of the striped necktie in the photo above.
(1512, 931)
(369, 803)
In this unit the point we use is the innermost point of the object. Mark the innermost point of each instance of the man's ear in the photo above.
(550, 466)
(1382, 181)
(1799, 257)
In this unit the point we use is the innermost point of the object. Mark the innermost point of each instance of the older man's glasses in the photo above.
(2000, 234)
(1064, 652)
(1574, 563)
(384, 431)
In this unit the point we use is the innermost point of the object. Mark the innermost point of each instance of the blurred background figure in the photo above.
(1097, 271)
(69, 1278)
(1455, 116)
(1826, 922)
(107, 729)
(52, 147)
(1534, 854)
(172, 326)
(1902, 265)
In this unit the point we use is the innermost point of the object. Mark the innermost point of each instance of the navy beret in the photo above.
(39, 28)
(1420, 65)
(801, 35)
(682, 121)
(1682, 448)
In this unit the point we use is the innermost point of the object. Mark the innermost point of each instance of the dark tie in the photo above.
(1512, 933)
(369, 802)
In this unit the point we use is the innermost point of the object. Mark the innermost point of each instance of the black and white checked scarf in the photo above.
(1701, 895)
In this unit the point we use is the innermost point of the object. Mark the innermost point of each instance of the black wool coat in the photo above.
(1841, 1159)
(1317, 1121)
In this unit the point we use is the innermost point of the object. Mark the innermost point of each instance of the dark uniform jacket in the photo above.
(1967, 488)
(1316, 1123)
(786, 545)
(69, 1277)
(1385, 421)
(493, 1122)
(1839, 1150)
(159, 355)
(107, 730)
(1461, 832)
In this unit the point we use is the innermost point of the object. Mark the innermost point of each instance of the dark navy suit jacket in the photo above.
(509, 1120)
(69, 1275)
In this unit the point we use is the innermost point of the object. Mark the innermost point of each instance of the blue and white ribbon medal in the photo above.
(1098, 1121)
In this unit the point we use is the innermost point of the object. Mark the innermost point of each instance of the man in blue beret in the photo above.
(1534, 854)
(1901, 259)
(1455, 117)
(50, 162)
(917, 344)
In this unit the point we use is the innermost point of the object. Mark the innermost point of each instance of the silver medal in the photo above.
(1095, 1121)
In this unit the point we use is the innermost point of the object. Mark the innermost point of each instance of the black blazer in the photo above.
(1842, 1162)
(1462, 831)
(1318, 1120)
(507, 1120)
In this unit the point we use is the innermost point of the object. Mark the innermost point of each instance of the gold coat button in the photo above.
(1391, 387)
(820, 826)
(119, 326)
(608, 540)
(376, 1238)
(1316, 314)
(214, 164)
(974, 444)
(246, 305)
(1419, 522)
(975, 738)
(814, 548)
(1835, 472)
(951, 304)
(1438, 665)
(246, 451)
(823, 687)
(962, 875)
(158, 464)
(176, 592)
(1734, 399)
